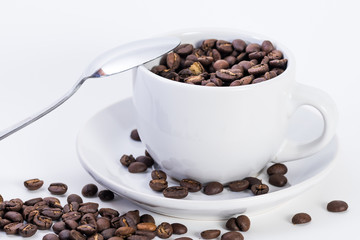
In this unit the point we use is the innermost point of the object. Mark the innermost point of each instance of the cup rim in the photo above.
(226, 31)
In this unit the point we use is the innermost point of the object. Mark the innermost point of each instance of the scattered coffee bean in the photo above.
(147, 226)
(277, 180)
(126, 160)
(12, 228)
(106, 195)
(301, 218)
(33, 184)
(191, 185)
(164, 230)
(158, 184)
(243, 222)
(137, 167)
(50, 236)
(179, 228)
(252, 181)
(74, 198)
(238, 186)
(232, 236)
(58, 227)
(158, 174)
(147, 218)
(210, 234)
(213, 188)
(135, 135)
(57, 188)
(89, 190)
(175, 192)
(14, 216)
(232, 225)
(144, 159)
(337, 206)
(259, 189)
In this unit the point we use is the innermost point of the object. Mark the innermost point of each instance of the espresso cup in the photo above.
(225, 133)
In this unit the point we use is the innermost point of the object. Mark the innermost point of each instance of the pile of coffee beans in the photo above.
(222, 63)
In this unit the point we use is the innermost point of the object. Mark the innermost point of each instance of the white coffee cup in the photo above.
(225, 133)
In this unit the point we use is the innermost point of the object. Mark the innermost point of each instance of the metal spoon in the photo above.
(114, 61)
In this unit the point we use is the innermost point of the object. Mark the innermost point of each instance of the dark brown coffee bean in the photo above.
(58, 227)
(277, 168)
(179, 228)
(265, 60)
(14, 205)
(301, 218)
(241, 57)
(215, 54)
(133, 218)
(232, 236)
(144, 159)
(137, 167)
(12, 228)
(229, 74)
(224, 46)
(158, 174)
(164, 230)
(126, 160)
(194, 79)
(76, 235)
(71, 224)
(269, 75)
(259, 189)
(87, 229)
(185, 73)
(52, 202)
(53, 213)
(206, 60)
(71, 207)
(210, 234)
(337, 206)
(246, 65)
(191, 185)
(57, 188)
(108, 213)
(4, 222)
(106, 195)
(74, 198)
(147, 218)
(184, 49)
(42, 222)
(259, 69)
(277, 180)
(14, 216)
(275, 55)
(90, 190)
(208, 44)
(134, 135)
(230, 59)
(213, 188)
(173, 60)
(50, 236)
(267, 46)
(253, 47)
(33, 201)
(238, 186)
(89, 207)
(258, 80)
(108, 233)
(158, 184)
(281, 63)
(147, 234)
(88, 218)
(217, 81)
(171, 75)
(257, 55)
(148, 226)
(221, 64)
(278, 71)
(64, 234)
(102, 223)
(239, 45)
(175, 192)
(98, 236)
(33, 184)
(231, 224)
(243, 222)
(246, 80)
(71, 216)
(158, 69)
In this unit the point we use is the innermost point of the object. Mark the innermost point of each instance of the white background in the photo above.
(45, 45)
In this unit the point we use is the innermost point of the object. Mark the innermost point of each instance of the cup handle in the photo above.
(306, 95)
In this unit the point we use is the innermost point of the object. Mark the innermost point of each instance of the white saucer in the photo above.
(106, 137)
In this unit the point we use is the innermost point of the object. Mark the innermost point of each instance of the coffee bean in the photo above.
(269, 75)
(257, 55)
(147, 234)
(14, 205)
(191, 185)
(278, 63)
(232, 236)
(58, 227)
(52, 202)
(208, 44)
(259, 69)
(87, 229)
(243, 222)
(158, 69)
(277, 168)
(133, 217)
(229, 74)
(171, 75)
(126, 160)
(183, 238)
(238, 186)
(267, 46)
(196, 68)
(134, 135)
(124, 231)
(71, 207)
(4, 222)
(98, 236)
(33, 201)
(215, 54)
(71, 216)
(102, 223)
(158, 174)
(337, 206)
(106, 195)
(53, 213)
(137, 167)
(57, 188)
(137, 237)
(224, 46)
(275, 55)
(179, 228)
(210, 234)
(246, 65)
(259, 189)
(301, 218)
(42, 222)
(12, 228)
(74, 198)
(232, 225)
(144, 159)
(206, 60)
(147, 226)
(252, 47)
(173, 60)
(220, 64)
(258, 80)
(64, 234)
(108, 233)
(184, 49)
(33, 184)
(14, 216)
(147, 218)
(164, 230)
(239, 45)
(158, 184)
(76, 235)
(108, 213)
(71, 224)
(277, 180)
(50, 236)
(175, 192)
(213, 188)
(89, 190)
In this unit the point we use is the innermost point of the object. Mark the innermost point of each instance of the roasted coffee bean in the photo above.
(278, 63)
(179, 228)
(27, 230)
(194, 79)
(12, 228)
(337, 206)
(144, 159)
(213, 188)
(50, 236)
(64, 234)
(71, 224)
(4, 222)
(147, 234)
(108, 213)
(106, 195)
(133, 217)
(252, 47)
(208, 44)
(42, 222)
(265, 60)
(90, 190)
(102, 223)
(231, 224)
(221, 64)
(252, 181)
(259, 69)
(97, 236)
(71, 216)
(89, 207)
(259, 189)
(14, 204)
(185, 73)
(206, 60)
(171, 75)
(33, 184)
(267, 46)
(224, 46)
(215, 54)
(158, 69)
(124, 231)
(246, 65)
(278, 71)
(57, 188)
(238, 186)
(14, 216)
(88, 218)
(74, 198)
(164, 230)
(76, 235)
(147, 218)
(229, 74)
(53, 202)
(269, 75)
(33, 201)
(148, 226)
(191, 185)
(232, 236)
(158, 174)
(301, 218)
(239, 45)
(173, 60)
(184, 49)
(175, 192)
(108, 233)
(275, 55)
(243, 222)
(58, 227)
(137, 167)
(277, 168)
(277, 180)
(210, 234)
(230, 59)
(53, 213)
(197, 68)
(71, 207)
(134, 135)
(257, 55)
(258, 80)
(87, 229)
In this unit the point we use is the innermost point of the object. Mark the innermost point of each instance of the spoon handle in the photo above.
(16, 127)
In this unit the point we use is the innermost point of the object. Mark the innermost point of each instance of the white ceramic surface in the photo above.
(105, 138)
(224, 133)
